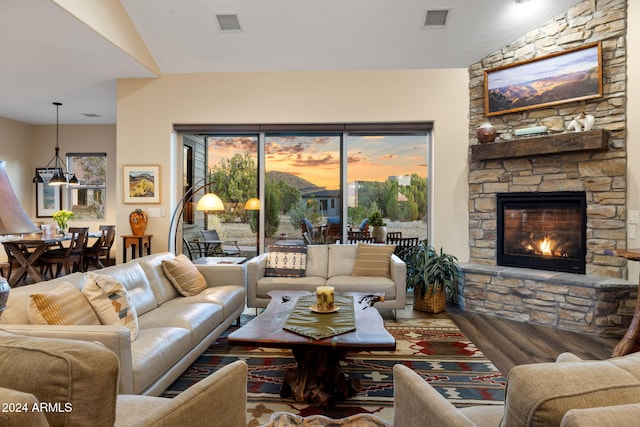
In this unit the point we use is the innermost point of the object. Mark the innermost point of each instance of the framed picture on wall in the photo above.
(48, 197)
(141, 184)
(571, 75)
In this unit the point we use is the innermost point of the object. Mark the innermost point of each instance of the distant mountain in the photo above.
(295, 181)
(568, 86)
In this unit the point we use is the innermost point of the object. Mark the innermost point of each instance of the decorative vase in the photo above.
(4, 293)
(486, 133)
(138, 222)
(62, 229)
(379, 233)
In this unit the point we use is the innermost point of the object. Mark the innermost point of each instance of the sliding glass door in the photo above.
(316, 184)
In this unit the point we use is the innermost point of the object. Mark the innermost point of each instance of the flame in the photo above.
(545, 246)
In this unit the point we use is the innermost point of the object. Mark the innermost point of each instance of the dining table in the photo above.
(27, 251)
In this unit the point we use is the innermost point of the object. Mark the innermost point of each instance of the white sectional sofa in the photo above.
(330, 265)
(173, 330)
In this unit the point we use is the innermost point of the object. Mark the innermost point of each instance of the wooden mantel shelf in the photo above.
(593, 140)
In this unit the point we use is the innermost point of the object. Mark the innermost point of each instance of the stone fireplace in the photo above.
(594, 295)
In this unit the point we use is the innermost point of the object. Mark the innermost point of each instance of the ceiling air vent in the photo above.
(228, 22)
(436, 18)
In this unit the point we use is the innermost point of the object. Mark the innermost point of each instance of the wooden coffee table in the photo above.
(318, 378)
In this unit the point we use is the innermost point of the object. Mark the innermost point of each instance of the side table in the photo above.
(133, 241)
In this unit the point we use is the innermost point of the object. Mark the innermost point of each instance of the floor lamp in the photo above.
(13, 220)
(208, 203)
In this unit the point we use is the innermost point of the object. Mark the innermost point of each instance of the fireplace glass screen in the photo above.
(542, 230)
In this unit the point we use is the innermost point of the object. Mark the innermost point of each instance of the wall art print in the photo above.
(571, 75)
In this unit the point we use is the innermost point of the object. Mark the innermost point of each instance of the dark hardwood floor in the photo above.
(508, 343)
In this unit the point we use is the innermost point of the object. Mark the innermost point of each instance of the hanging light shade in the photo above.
(13, 218)
(210, 202)
(56, 164)
(252, 204)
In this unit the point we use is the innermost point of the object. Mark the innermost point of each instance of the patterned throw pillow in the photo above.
(111, 302)
(184, 276)
(286, 261)
(373, 260)
(62, 305)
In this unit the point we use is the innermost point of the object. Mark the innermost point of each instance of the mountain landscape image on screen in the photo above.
(544, 91)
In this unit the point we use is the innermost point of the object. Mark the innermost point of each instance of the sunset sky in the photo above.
(317, 158)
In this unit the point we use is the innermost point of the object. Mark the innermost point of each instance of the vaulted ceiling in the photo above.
(52, 50)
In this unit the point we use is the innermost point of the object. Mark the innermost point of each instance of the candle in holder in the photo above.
(324, 298)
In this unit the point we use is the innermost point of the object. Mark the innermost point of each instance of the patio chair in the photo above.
(225, 248)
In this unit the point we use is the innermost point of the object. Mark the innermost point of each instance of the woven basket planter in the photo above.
(430, 303)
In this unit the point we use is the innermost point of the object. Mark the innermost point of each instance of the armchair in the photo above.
(540, 394)
(81, 378)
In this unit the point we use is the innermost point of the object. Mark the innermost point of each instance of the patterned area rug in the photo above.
(435, 348)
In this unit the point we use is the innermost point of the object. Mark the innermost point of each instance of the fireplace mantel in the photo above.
(593, 140)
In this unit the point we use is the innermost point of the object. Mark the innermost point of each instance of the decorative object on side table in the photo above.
(62, 218)
(378, 227)
(486, 132)
(4, 293)
(138, 222)
(434, 278)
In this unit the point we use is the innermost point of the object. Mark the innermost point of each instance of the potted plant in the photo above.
(433, 277)
(378, 227)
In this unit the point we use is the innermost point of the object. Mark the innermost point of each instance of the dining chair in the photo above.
(101, 250)
(225, 248)
(71, 257)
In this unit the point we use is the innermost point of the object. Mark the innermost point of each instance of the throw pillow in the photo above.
(286, 261)
(62, 305)
(373, 260)
(184, 275)
(111, 302)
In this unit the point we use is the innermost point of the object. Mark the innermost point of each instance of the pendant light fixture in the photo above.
(56, 164)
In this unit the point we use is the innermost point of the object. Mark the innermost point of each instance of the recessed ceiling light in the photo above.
(228, 22)
(524, 1)
(91, 115)
(436, 18)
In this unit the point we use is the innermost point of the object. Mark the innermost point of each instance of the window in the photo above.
(333, 175)
(87, 200)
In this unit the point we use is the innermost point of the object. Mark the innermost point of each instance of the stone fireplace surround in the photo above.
(600, 301)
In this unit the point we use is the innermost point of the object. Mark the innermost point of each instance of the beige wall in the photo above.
(16, 150)
(77, 139)
(633, 125)
(148, 108)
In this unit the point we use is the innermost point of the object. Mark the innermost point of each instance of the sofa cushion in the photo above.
(373, 260)
(184, 275)
(111, 302)
(342, 258)
(81, 377)
(154, 351)
(286, 261)
(162, 288)
(62, 305)
(133, 277)
(198, 318)
(268, 284)
(317, 260)
(358, 284)
(540, 394)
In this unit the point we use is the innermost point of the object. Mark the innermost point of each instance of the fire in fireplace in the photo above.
(545, 231)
